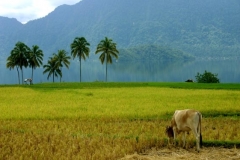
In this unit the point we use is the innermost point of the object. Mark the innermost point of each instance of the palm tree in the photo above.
(19, 54)
(11, 63)
(108, 49)
(35, 58)
(80, 49)
(52, 68)
(62, 59)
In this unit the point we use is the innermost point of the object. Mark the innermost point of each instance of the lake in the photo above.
(169, 71)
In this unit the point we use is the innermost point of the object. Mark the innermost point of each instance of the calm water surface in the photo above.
(228, 71)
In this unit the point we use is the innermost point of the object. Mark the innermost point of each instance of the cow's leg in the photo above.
(174, 135)
(197, 136)
(184, 139)
(170, 141)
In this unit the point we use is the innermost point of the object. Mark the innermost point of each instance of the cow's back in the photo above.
(185, 120)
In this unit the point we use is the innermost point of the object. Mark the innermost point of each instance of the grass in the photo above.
(114, 102)
(76, 85)
(109, 120)
(225, 144)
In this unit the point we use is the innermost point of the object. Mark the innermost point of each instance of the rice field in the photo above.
(54, 121)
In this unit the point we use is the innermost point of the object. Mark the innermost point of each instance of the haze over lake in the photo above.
(169, 71)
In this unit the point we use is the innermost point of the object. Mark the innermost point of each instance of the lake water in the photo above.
(228, 71)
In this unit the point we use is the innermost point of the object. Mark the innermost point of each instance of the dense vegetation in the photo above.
(153, 52)
(207, 77)
(201, 28)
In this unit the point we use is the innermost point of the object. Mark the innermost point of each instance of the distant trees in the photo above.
(22, 56)
(55, 64)
(207, 77)
(154, 52)
(52, 68)
(80, 48)
(35, 58)
(19, 53)
(107, 48)
(11, 63)
(62, 58)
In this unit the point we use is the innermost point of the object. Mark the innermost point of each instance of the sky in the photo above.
(26, 10)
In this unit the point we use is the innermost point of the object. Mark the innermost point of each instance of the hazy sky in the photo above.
(26, 10)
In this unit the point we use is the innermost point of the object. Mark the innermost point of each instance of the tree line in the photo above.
(23, 56)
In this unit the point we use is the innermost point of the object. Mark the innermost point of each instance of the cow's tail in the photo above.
(200, 128)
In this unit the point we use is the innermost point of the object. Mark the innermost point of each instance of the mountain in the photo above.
(200, 27)
(8, 26)
(153, 53)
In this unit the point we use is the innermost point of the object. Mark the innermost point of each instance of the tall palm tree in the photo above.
(80, 48)
(19, 54)
(108, 49)
(62, 59)
(35, 58)
(52, 68)
(11, 63)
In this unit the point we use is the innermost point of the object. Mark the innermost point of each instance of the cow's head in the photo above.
(169, 131)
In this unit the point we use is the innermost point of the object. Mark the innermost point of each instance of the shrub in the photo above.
(207, 77)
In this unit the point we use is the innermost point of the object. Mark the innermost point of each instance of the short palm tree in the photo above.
(20, 55)
(80, 48)
(35, 58)
(62, 59)
(107, 48)
(11, 63)
(52, 68)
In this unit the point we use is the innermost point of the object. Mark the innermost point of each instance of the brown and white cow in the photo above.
(185, 121)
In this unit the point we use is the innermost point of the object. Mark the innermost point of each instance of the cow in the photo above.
(28, 80)
(185, 121)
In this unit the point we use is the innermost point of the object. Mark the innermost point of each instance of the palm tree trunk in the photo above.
(61, 76)
(106, 71)
(80, 68)
(22, 75)
(18, 76)
(32, 74)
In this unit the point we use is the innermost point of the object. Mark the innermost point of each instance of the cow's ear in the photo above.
(167, 128)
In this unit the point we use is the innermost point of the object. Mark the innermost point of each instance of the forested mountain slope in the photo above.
(201, 28)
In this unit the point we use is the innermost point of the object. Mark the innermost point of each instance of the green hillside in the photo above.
(200, 28)
(153, 52)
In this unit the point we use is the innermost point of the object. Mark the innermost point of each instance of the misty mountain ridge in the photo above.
(199, 28)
